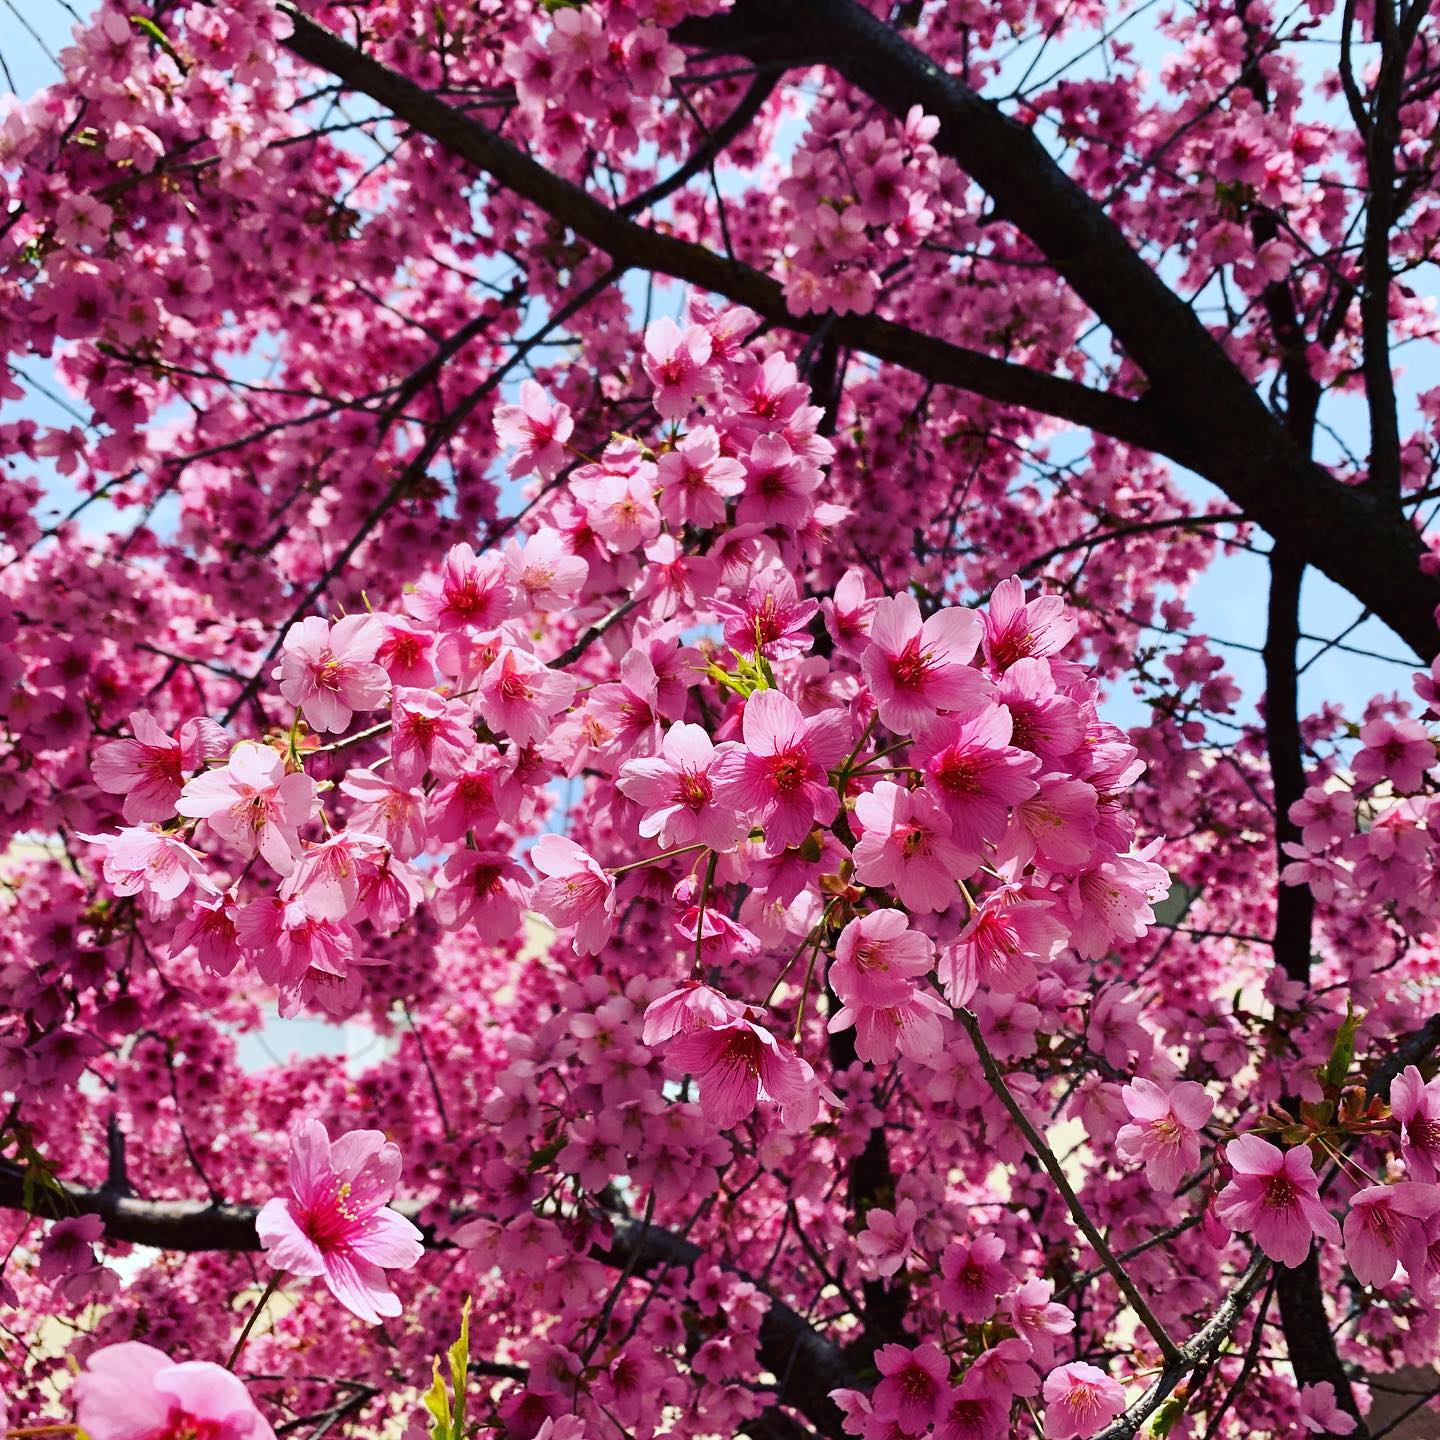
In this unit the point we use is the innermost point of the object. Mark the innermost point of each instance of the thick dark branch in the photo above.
(635, 246)
(1353, 536)
(806, 1364)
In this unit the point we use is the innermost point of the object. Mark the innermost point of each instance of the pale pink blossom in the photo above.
(1015, 628)
(677, 794)
(1001, 948)
(143, 861)
(1275, 1196)
(135, 1392)
(336, 1224)
(1165, 1129)
(693, 1006)
(916, 669)
(251, 802)
(888, 1236)
(544, 574)
(396, 813)
(575, 891)
(877, 957)
(778, 778)
(329, 671)
(848, 612)
(1080, 1400)
(676, 361)
(537, 429)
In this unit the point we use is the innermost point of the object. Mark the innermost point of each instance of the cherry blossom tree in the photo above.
(607, 542)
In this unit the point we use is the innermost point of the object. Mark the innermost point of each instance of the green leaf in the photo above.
(1162, 1422)
(447, 1422)
(437, 1402)
(1342, 1053)
(149, 27)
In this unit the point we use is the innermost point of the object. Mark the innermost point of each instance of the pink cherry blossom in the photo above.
(973, 1279)
(1400, 751)
(916, 669)
(914, 1385)
(678, 794)
(1002, 948)
(696, 479)
(470, 590)
(778, 777)
(329, 671)
(771, 620)
(396, 813)
(430, 733)
(149, 769)
(483, 888)
(545, 575)
(906, 845)
(575, 891)
(520, 694)
(336, 1224)
(254, 804)
(1016, 628)
(1415, 1103)
(876, 958)
(738, 1064)
(1319, 1412)
(675, 361)
(1275, 1197)
(1079, 1400)
(1165, 1133)
(536, 428)
(909, 1025)
(1384, 1228)
(888, 1235)
(140, 860)
(693, 1006)
(131, 1391)
(974, 774)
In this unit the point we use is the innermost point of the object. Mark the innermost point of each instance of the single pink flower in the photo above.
(908, 1025)
(396, 813)
(406, 652)
(771, 620)
(1275, 1196)
(691, 1007)
(1400, 751)
(1038, 1318)
(251, 802)
(888, 1236)
(1001, 948)
(1079, 1400)
(536, 429)
(575, 891)
(972, 1277)
(740, 1063)
(676, 361)
(779, 777)
(329, 671)
(520, 696)
(482, 888)
(149, 769)
(335, 1223)
(142, 861)
(1055, 826)
(1415, 1103)
(696, 479)
(430, 733)
(678, 795)
(780, 485)
(1319, 1412)
(906, 845)
(469, 590)
(623, 511)
(974, 1412)
(914, 1385)
(974, 774)
(1015, 628)
(543, 573)
(916, 669)
(1385, 1226)
(876, 958)
(134, 1392)
(848, 612)
(1165, 1133)
(210, 928)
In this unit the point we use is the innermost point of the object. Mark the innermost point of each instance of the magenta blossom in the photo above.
(1275, 1195)
(335, 1223)
(914, 1385)
(1385, 1228)
(975, 774)
(740, 1063)
(520, 695)
(906, 844)
(134, 1392)
(876, 958)
(678, 795)
(1165, 1129)
(149, 769)
(1319, 1412)
(470, 590)
(691, 1007)
(428, 732)
(1002, 947)
(779, 776)
(1415, 1103)
(1016, 628)
(770, 620)
(972, 1277)
(1079, 1400)
(915, 668)
(329, 671)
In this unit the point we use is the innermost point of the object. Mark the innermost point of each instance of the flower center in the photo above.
(788, 771)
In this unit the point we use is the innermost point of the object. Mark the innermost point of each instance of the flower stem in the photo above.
(705, 884)
(655, 859)
(260, 1304)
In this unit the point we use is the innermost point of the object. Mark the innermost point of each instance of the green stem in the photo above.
(260, 1305)
(655, 859)
(705, 884)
